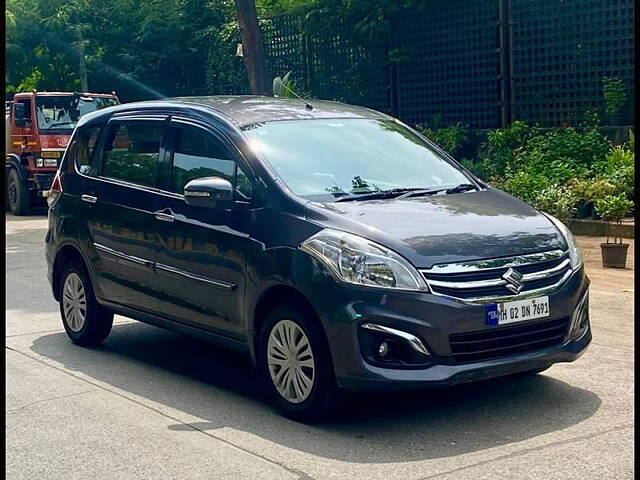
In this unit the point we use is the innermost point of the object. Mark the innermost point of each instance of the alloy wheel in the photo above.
(291, 362)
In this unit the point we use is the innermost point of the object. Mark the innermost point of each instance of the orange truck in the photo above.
(38, 128)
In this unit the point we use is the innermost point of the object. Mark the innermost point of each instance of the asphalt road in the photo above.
(159, 405)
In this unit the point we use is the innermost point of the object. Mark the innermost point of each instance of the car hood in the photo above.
(444, 228)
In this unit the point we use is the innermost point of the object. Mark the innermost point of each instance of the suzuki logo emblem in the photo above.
(513, 279)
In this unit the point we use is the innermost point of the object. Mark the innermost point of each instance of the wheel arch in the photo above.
(65, 254)
(271, 296)
(14, 161)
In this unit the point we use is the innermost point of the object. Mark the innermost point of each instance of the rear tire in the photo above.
(292, 346)
(17, 194)
(85, 320)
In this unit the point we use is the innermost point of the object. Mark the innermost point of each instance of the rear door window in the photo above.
(132, 152)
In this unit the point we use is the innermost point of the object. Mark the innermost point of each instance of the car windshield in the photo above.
(63, 112)
(333, 158)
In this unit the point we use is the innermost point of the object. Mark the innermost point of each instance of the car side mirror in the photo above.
(208, 191)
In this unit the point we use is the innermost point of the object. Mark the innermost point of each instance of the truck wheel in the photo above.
(17, 194)
(84, 319)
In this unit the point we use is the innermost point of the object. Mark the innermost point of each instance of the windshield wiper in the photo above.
(400, 193)
(463, 187)
(394, 192)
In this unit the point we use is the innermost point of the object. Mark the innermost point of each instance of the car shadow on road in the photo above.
(223, 391)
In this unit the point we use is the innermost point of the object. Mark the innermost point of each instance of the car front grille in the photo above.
(499, 342)
(485, 279)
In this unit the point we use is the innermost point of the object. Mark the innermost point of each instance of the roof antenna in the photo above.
(307, 105)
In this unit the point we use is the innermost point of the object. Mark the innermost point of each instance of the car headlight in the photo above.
(574, 251)
(356, 260)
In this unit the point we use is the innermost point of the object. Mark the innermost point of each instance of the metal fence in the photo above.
(481, 63)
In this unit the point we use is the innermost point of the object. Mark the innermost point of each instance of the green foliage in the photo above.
(287, 87)
(560, 154)
(525, 185)
(591, 118)
(614, 92)
(589, 190)
(618, 168)
(282, 86)
(451, 139)
(557, 201)
(504, 146)
(140, 48)
(555, 169)
(613, 208)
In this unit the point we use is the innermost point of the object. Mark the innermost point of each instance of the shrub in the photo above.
(503, 147)
(524, 185)
(563, 154)
(591, 189)
(618, 169)
(451, 139)
(481, 169)
(557, 201)
(555, 170)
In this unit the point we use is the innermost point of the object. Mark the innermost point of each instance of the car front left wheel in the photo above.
(85, 320)
(296, 363)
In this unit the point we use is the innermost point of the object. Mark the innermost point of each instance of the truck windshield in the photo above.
(330, 158)
(63, 112)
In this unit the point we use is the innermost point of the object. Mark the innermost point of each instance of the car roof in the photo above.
(249, 109)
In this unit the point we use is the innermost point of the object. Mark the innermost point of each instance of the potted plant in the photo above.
(613, 208)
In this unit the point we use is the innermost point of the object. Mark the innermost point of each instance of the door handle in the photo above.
(163, 216)
(89, 198)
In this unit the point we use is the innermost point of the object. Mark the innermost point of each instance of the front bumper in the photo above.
(433, 319)
(438, 376)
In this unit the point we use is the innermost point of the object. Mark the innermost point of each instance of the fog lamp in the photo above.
(383, 349)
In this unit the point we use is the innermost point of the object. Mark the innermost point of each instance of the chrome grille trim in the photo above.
(495, 263)
(527, 277)
(459, 280)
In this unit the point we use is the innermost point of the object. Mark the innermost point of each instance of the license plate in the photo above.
(517, 311)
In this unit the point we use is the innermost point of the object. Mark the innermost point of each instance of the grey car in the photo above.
(336, 246)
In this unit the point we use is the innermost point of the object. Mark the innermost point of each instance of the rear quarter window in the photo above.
(83, 152)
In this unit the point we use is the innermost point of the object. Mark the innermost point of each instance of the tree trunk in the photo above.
(83, 67)
(252, 50)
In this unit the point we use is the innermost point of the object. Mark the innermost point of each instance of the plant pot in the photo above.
(584, 210)
(614, 255)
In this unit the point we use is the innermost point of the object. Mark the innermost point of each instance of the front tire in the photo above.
(85, 320)
(296, 363)
(17, 194)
